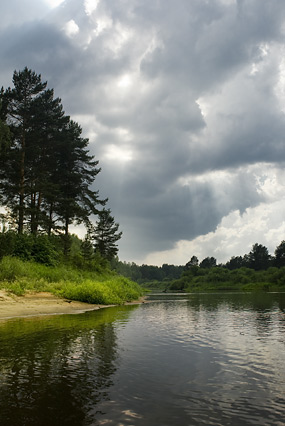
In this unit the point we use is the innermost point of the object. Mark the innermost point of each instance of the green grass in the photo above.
(17, 277)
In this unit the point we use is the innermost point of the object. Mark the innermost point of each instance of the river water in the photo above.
(191, 359)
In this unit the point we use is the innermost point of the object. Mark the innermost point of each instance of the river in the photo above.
(179, 359)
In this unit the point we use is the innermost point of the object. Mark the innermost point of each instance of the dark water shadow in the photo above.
(55, 369)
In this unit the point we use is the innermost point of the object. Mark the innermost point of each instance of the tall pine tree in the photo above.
(76, 171)
(45, 136)
(48, 172)
(20, 116)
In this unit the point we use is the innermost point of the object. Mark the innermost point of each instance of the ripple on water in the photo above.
(203, 360)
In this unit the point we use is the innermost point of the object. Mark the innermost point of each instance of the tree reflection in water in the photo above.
(55, 370)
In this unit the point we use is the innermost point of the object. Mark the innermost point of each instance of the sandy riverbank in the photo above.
(36, 304)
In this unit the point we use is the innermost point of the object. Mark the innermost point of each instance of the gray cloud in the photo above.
(186, 91)
(15, 12)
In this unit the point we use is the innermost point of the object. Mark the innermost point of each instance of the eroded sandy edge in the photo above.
(39, 304)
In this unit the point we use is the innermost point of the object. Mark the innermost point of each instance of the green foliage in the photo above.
(86, 249)
(74, 201)
(208, 262)
(258, 258)
(46, 171)
(148, 275)
(113, 291)
(23, 246)
(28, 247)
(89, 292)
(192, 262)
(16, 288)
(279, 260)
(11, 268)
(105, 235)
(18, 276)
(5, 137)
(43, 251)
(220, 278)
(7, 243)
(235, 262)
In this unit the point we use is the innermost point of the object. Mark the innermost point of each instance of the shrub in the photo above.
(11, 268)
(17, 276)
(43, 251)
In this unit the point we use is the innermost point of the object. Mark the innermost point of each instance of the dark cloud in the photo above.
(178, 101)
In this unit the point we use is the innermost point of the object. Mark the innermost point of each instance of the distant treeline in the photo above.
(256, 269)
(147, 273)
(221, 278)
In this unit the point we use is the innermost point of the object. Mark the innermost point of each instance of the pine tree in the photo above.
(47, 174)
(76, 171)
(258, 258)
(20, 116)
(48, 171)
(279, 260)
(45, 135)
(106, 235)
(5, 141)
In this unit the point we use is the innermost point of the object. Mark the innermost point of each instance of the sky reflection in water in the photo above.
(189, 360)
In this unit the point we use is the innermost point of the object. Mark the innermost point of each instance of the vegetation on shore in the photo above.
(99, 287)
(38, 263)
(257, 270)
(198, 279)
(47, 184)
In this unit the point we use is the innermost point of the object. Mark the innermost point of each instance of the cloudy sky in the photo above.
(183, 102)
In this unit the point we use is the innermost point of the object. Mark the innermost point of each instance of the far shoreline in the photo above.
(38, 304)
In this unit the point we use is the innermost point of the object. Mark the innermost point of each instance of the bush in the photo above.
(89, 292)
(17, 276)
(11, 268)
(114, 291)
(23, 246)
(7, 243)
(43, 251)
(28, 247)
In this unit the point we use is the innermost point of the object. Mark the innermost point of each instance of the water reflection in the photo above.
(201, 360)
(236, 301)
(212, 359)
(55, 371)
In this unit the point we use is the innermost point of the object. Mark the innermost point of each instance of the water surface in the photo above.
(203, 359)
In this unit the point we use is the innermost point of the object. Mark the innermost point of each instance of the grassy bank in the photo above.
(105, 287)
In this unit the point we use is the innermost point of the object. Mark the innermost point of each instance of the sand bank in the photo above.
(36, 304)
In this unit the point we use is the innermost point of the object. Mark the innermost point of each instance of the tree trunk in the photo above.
(32, 209)
(66, 240)
(22, 186)
(50, 219)
(37, 213)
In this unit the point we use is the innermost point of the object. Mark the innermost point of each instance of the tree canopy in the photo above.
(105, 235)
(47, 173)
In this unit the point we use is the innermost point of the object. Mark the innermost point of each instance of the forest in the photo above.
(47, 180)
(257, 270)
(47, 173)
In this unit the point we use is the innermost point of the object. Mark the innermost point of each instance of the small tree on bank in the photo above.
(105, 235)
